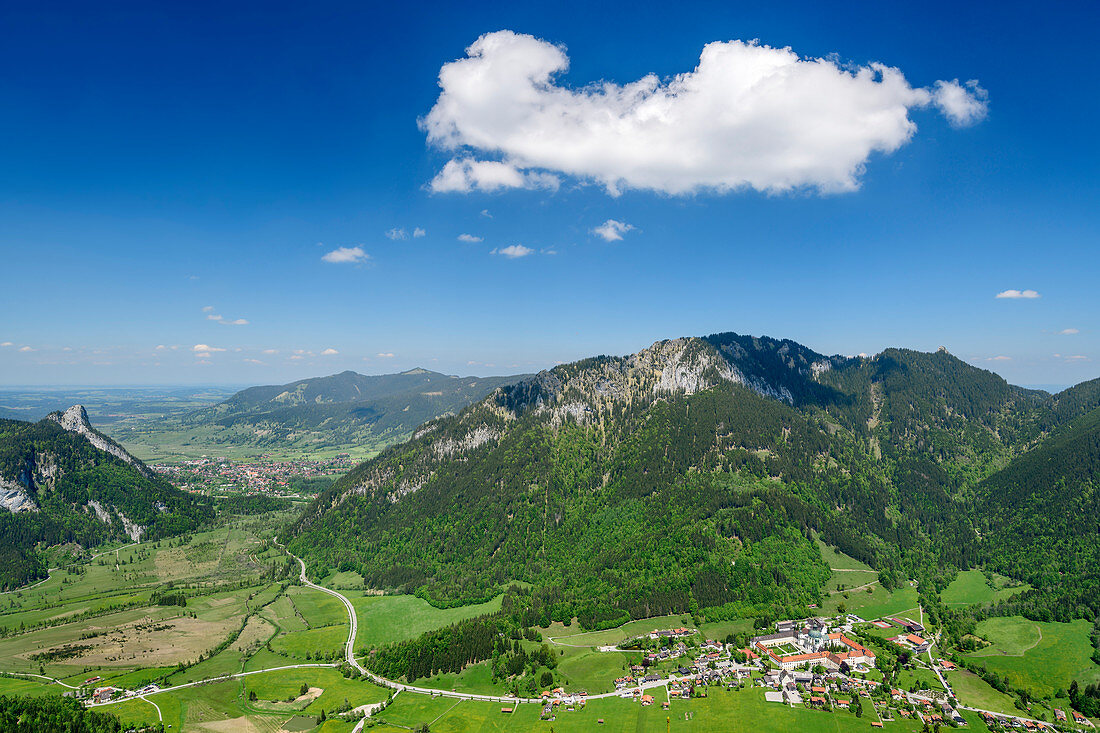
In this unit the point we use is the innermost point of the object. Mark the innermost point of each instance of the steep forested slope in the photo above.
(689, 475)
(1040, 516)
(62, 481)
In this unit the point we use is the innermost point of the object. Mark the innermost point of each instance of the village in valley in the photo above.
(823, 664)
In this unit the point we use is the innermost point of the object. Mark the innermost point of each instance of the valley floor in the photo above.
(253, 651)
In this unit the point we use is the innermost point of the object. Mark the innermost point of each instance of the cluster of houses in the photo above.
(1007, 721)
(558, 699)
(106, 694)
(809, 643)
(797, 651)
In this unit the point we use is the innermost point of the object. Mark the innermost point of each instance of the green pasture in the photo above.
(388, 619)
(1039, 657)
(974, 586)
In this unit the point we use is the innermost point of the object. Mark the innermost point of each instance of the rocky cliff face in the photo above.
(75, 420)
(591, 391)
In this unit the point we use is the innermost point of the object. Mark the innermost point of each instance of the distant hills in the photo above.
(342, 409)
(63, 481)
(696, 474)
(346, 412)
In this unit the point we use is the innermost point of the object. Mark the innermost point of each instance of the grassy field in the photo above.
(317, 609)
(589, 670)
(571, 635)
(172, 441)
(1040, 657)
(839, 561)
(972, 690)
(924, 679)
(879, 602)
(722, 711)
(95, 619)
(387, 619)
(974, 586)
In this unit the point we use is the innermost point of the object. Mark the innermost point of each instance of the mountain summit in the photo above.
(692, 474)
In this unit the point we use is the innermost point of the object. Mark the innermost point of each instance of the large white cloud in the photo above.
(748, 116)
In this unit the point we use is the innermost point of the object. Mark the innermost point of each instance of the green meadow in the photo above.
(388, 619)
(722, 711)
(1040, 657)
(975, 587)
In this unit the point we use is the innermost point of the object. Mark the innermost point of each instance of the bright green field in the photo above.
(190, 708)
(571, 635)
(387, 619)
(925, 679)
(879, 602)
(590, 670)
(971, 586)
(836, 559)
(972, 690)
(722, 712)
(1040, 657)
(298, 644)
(316, 608)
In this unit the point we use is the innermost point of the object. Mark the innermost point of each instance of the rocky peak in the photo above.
(75, 420)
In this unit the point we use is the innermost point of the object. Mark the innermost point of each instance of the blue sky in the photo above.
(167, 172)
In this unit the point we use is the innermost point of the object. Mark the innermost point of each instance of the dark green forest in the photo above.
(50, 714)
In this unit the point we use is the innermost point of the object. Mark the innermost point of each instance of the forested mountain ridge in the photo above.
(690, 475)
(342, 408)
(63, 481)
(1040, 517)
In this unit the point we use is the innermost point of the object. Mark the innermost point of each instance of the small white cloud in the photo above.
(612, 230)
(1068, 332)
(271, 351)
(962, 105)
(213, 317)
(205, 348)
(296, 357)
(486, 214)
(462, 175)
(236, 322)
(253, 361)
(1014, 294)
(548, 251)
(418, 232)
(207, 308)
(346, 255)
(396, 234)
(1077, 357)
(329, 352)
(468, 238)
(999, 358)
(385, 355)
(513, 251)
(7, 343)
(160, 347)
(26, 349)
